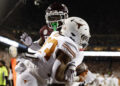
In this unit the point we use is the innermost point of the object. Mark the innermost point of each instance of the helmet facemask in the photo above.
(56, 13)
(84, 40)
(55, 19)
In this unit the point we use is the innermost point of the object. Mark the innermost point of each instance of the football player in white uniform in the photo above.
(24, 77)
(78, 30)
(29, 72)
(57, 46)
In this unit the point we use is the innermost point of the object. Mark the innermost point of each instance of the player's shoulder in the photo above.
(45, 30)
(55, 34)
(58, 36)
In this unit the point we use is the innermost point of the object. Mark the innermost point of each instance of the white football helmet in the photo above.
(77, 29)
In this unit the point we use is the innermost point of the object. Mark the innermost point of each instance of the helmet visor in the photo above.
(54, 17)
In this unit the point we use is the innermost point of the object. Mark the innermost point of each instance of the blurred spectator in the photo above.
(3, 74)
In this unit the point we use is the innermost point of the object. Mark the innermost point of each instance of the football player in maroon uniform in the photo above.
(55, 15)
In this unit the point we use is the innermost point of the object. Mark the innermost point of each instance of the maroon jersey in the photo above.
(45, 31)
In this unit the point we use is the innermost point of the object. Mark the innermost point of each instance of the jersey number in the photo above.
(49, 47)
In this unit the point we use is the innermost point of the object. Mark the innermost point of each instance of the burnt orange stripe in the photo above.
(69, 49)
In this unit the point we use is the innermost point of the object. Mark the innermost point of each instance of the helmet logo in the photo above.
(79, 25)
(73, 34)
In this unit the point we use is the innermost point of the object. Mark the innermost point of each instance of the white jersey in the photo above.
(31, 71)
(54, 42)
(41, 68)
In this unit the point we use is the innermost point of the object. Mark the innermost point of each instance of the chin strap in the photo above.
(54, 26)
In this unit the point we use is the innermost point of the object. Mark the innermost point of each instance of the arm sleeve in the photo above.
(68, 49)
(72, 50)
(78, 59)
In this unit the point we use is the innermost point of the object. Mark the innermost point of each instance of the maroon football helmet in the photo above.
(55, 15)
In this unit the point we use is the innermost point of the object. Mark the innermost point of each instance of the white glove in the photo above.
(27, 40)
(70, 73)
(20, 67)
